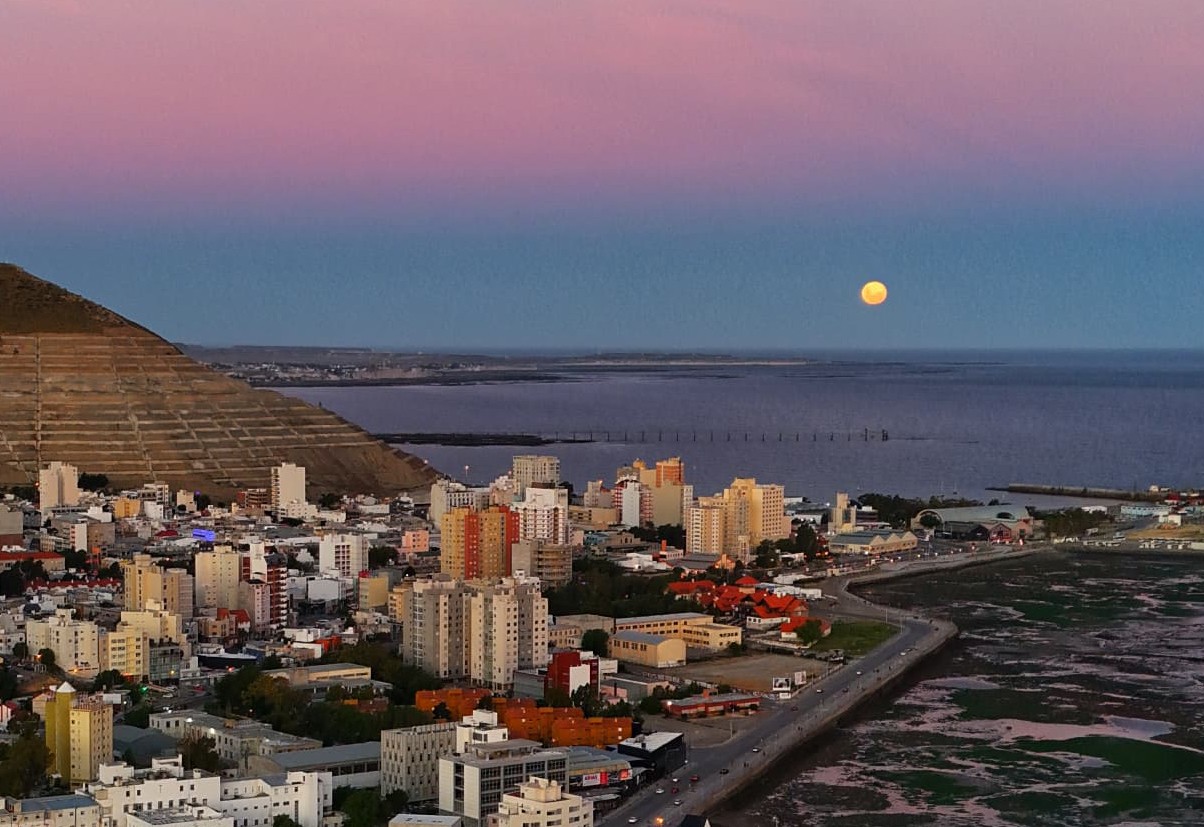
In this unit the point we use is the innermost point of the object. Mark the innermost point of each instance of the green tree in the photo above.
(806, 541)
(93, 482)
(329, 501)
(46, 658)
(21, 650)
(557, 698)
(75, 559)
(24, 765)
(930, 521)
(381, 556)
(138, 716)
(596, 641)
(810, 632)
(441, 712)
(199, 753)
(107, 680)
(363, 808)
(284, 821)
(486, 703)
(766, 555)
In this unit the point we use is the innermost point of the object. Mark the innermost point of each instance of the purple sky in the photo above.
(183, 127)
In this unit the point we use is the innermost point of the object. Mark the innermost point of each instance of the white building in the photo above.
(544, 515)
(75, 643)
(409, 759)
(630, 504)
(123, 791)
(346, 554)
(472, 785)
(288, 486)
(51, 811)
(448, 494)
(217, 576)
(186, 816)
(541, 802)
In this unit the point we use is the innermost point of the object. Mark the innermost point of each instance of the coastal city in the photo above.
(506, 654)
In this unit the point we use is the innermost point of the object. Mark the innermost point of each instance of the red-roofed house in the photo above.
(790, 628)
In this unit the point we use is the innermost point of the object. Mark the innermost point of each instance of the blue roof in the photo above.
(328, 756)
(640, 637)
(57, 802)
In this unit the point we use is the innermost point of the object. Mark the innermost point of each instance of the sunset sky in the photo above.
(687, 175)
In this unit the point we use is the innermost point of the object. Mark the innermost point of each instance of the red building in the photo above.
(570, 669)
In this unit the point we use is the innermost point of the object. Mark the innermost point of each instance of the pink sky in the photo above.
(267, 101)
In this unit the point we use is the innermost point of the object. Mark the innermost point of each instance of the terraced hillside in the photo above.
(80, 384)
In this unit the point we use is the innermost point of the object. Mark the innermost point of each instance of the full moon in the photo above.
(873, 292)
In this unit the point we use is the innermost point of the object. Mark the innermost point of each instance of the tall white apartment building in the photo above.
(217, 576)
(58, 485)
(542, 802)
(544, 515)
(409, 759)
(528, 469)
(75, 643)
(481, 631)
(288, 486)
(345, 553)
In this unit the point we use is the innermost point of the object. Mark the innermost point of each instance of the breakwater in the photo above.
(1074, 491)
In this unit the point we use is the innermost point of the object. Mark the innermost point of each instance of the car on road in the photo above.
(723, 771)
(660, 790)
(819, 692)
(693, 779)
(858, 671)
(756, 749)
(674, 780)
(633, 820)
(677, 803)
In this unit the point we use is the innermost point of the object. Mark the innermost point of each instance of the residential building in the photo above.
(423, 820)
(448, 494)
(217, 577)
(260, 565)
(144, 580)
(58, 485)
(156, 623)
(471, 785)
(480, 631)
(409, 759)
(552, 563)
(541, 802)
(477, 544)
(235, 740)
(75, 643)
(288, 486)
(346, 554)
(79, 734)
(534, 469)
(126, 651)
(743, 515)
(544, 515)
(704, 523)
(663, 486)
(12, 526)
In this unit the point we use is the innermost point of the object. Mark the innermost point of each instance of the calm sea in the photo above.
(955, 422)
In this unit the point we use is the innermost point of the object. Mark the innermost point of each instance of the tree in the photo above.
(363, 808)
(380, 556)
(329, 501)
(930, 521)
(21, 650)
(585, 698)
(23, 767)
(810, 632)
(75, 559)
(441, 712)
(199, 753)
(557, 698)
(93, 482)
(284, 821)
(766, 555)
(139, 716)
(596, 641)
(806, 541)
(47, 659)
(486, 703)
(108, 679)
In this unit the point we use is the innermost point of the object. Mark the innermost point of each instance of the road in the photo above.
(783, 725)
(780, 726)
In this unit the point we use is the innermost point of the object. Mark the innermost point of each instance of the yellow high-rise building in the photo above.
(736, 521)
(79, 734)
(477, 544)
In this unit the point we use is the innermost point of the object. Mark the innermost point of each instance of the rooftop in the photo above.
(652, 741)
(177, 815)
(404, 819)
(640, 637)
(307, 759)
(662, 618)
(56, 802)
(725, 698)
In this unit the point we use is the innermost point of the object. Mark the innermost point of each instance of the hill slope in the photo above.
(81, 384)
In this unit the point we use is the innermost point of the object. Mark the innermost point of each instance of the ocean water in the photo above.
(1074, 698)
(955, 422)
